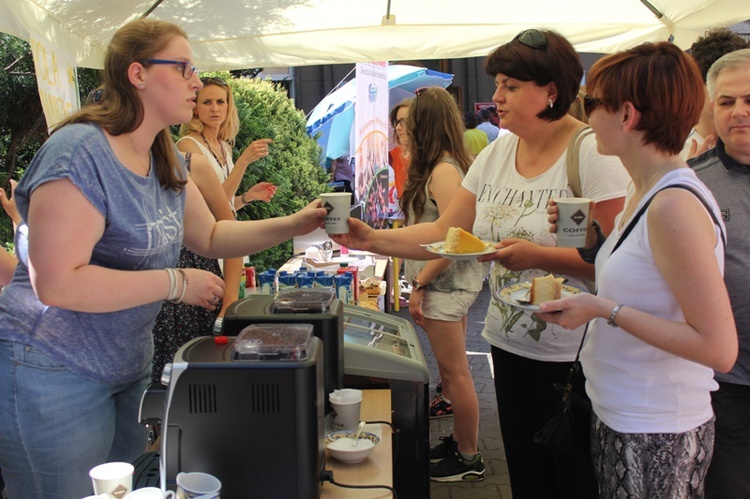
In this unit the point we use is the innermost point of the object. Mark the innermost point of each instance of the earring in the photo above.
(550, 103)
(141, 85)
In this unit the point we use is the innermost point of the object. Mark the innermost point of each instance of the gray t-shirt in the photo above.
(730, 183)
(143, 231)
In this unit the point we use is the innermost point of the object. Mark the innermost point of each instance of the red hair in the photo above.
(661, 82)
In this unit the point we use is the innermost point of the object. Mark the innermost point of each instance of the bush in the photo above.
(265, 111)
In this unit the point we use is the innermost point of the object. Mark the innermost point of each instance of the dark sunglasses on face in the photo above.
(187, 68)
(206, 80)
(533, 38)
(590, 103)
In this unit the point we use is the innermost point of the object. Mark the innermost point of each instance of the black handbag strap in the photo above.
(643, 209)
(627, 232)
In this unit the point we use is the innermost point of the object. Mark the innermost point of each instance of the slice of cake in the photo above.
(459, 241)
(545, 289)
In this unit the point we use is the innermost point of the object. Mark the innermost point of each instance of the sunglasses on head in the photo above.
(533, 38)
(207, 80)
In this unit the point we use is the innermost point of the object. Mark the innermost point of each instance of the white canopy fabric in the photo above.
(230, 34)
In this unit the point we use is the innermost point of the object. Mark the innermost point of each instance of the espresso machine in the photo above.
(248, 410)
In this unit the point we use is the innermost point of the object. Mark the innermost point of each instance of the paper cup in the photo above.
(197, 485)
(113, 479)
(346, 409)
(338, 205)
(572, 222)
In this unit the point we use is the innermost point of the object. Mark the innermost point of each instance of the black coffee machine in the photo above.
(247, 410)
(316, 306)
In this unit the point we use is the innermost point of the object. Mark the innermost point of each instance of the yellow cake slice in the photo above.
(459, 241)
(545, 289)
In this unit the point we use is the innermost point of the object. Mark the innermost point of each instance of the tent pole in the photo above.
(653, 9)
(151, 9)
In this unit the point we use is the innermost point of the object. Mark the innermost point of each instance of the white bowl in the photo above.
(340, 445)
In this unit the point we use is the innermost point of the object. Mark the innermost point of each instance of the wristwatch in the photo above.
(416, 285)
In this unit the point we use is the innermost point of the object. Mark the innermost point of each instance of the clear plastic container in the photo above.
(303, 300)
(273, 342)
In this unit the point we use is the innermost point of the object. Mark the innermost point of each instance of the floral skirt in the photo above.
(178, 323)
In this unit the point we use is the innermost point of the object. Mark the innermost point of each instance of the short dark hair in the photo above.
(715, 43)
(484, 114)
(558, 63)
(470, 120)
(661, 81)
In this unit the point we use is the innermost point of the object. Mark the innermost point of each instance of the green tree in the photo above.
(266, 111)
(23, 128)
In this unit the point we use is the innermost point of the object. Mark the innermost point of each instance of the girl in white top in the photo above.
(661, 318)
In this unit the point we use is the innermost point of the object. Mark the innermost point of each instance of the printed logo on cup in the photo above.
(578, 217)
(328, 207)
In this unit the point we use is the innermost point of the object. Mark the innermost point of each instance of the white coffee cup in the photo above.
(197, 485)
(346, 405)
(113, 479)
(572, 221)
(150, 493)
(338, 205)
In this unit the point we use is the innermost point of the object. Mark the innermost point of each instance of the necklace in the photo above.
(635, 200)
(222, 162)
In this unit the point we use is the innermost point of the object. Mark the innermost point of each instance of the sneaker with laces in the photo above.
(446, 448)
(440, 407)
(457, 469)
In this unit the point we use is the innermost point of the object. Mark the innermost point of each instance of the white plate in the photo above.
(439, 249)
(517, 294)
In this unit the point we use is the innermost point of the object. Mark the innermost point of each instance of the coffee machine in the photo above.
(248, 410)
(316, 306)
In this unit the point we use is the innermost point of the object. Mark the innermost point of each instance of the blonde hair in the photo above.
(231, 126)
(120, 109)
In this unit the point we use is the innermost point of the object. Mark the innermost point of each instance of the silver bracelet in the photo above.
(613, 315)
(242, 198)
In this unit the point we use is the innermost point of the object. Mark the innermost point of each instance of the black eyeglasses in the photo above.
(207, 80)
(533, 38)
(187, 68)
(590, 103)
(401, 122)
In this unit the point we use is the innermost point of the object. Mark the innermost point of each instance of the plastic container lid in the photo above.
(273, 342)
(303, 300)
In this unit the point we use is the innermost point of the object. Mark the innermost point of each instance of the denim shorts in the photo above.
(447, 306)
(56, 426)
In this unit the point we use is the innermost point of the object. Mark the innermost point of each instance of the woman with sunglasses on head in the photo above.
(504, 199)
(443, 290)
(106, 205)
(662, 320)
(211, 132)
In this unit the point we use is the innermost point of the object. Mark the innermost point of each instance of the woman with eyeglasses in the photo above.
(504, 199)
(398, 157)
(662, 320)
(106, 205)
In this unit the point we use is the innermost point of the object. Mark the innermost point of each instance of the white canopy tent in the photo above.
(229, 34)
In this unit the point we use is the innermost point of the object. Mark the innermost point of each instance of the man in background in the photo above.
(725, 169)
(706, 50)
(486, 126)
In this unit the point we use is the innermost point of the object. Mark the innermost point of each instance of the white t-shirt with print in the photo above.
(509, 205)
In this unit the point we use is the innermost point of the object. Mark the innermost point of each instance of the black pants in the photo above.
(526, 399)
(729, 473)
